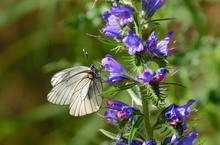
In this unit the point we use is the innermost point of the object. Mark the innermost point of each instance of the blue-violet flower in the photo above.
(112, 28)
(110, 116)
(114, 68)
(175, 114)
(151, 6)
(146, 76)
(124, 13)
(158, 48)
(162, 46)
(133, 43)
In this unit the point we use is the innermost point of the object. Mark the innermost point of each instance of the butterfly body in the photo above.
(77, 87)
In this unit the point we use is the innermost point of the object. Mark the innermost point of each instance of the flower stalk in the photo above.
(146, 112)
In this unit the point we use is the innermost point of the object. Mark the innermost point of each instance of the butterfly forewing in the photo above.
(67, 73)
(78, 87)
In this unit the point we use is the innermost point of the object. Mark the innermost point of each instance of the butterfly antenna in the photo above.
(86, 55)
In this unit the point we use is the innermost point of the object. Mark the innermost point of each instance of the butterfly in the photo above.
(77, 87)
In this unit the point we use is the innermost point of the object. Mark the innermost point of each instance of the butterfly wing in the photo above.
(64, 83)
(85, 99)
(76, 86)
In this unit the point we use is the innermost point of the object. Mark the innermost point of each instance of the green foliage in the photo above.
(108, 134)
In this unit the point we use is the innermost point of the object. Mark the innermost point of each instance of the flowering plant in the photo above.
(127, 23)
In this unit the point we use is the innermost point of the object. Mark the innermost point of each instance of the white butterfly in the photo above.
(77, 87)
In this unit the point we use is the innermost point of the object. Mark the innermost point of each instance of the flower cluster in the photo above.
(126, 22)
(115, 19)
(176, 116)
(120, 15)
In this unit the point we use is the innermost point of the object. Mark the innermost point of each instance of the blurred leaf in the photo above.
(117, 89)
(110, 41)
(108, 134)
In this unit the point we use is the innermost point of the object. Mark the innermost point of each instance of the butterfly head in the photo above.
(96, 72)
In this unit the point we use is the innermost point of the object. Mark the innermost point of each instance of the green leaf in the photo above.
(108, 134)
(110, 41)
(157, 20)
(175, 84)
(136, 99)
(134, 128)
(116, 89)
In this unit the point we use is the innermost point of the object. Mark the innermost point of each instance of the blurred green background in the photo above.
(40, 37)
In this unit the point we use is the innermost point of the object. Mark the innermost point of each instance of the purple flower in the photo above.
(115, 104)
(162, 46)
(115, 69)
(133, 43)
(158, 48)
(154, 79)
(125, 112)
(146, 76)
(151, 6)
(111, 116)
(124, 13)
(186, 140)
(151, 43)
(106, 15)
(111, 65)
(112, 28)
(115, 77)
(175, 114)
(159, 75)
(150, 142)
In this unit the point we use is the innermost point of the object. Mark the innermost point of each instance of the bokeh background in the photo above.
(40, 37)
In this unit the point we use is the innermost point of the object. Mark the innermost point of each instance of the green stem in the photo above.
(136, 16)
(146, 112)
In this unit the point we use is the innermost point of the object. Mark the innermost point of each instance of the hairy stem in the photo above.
(146, 112)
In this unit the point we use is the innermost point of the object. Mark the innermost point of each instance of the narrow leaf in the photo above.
(116, 89)
(108, 134)
(165, 19)
(110, 41)
(134, 128)
(175, 84)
